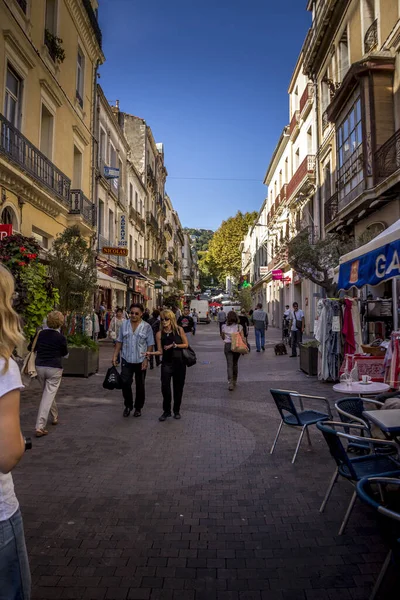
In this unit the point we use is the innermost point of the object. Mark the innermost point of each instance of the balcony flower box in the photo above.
(309, 358)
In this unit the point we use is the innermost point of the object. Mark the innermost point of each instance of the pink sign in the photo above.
(277, 275)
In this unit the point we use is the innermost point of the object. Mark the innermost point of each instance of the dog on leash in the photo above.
(280, 349)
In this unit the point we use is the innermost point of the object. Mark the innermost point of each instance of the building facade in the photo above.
(49, 54)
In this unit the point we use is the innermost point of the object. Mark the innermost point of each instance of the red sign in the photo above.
(286, 280)
(5, 231)
(277, 275)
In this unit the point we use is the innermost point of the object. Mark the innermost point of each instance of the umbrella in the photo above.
(215, 304)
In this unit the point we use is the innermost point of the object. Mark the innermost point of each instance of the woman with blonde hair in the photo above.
(50, 348)
(171, 340)
(15, 579)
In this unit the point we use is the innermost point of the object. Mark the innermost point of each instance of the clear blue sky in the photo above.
(211, 79)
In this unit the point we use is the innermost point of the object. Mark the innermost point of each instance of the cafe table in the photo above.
(361, 389)
(387, 420)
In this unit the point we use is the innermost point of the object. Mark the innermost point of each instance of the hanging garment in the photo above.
(355, 312)
(348, 328)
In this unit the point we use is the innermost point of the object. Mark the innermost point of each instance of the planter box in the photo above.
(309, 359)
(81, 362)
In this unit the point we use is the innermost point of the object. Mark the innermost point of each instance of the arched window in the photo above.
(8, 217)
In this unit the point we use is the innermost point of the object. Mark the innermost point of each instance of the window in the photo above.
(130, 246)
(130, 194)
(101, 218)
(327, 181)
(22, 4)
(370, 27)
(12, 108)
(111, 226)
(286, 170)
(46, 132)
(8, 217)
(137, 202)
(113, 156)
(296, 162)
(280, 180)
(141, 252)
(136, 251)
(40, 237)
(77, 174)
(51, 16)
(343, 56)
(80, 72)
(309, 141)
(349, 144)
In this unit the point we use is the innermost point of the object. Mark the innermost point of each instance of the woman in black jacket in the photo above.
(50, 348)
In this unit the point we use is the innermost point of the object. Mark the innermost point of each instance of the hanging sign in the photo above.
(111, 172)
(5, 231)
(158, 285)
(122, 241)
(264, 271)
(277, 275)
(140, 286)
(115, 251)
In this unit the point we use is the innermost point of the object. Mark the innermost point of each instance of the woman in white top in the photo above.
(15, 579)
(232, 358)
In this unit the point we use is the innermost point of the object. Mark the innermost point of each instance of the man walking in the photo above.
(296, 327)
(221, 318)
(260, 321)
(186, 321)
(135, 338)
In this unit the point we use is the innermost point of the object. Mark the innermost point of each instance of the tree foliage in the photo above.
(73, 270)
(317, 261)
(200, 237)
(224, 256)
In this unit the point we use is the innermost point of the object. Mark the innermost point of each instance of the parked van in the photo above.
(202, 310)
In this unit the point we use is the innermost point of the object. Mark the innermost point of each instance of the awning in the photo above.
(372, 263)
(136, 274)
(105, 281)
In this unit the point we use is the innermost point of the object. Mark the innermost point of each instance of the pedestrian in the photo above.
(244, 322)
(171, 340)
(50, 348)
(146, 315)
(195, 318)
(177, 312)
(135, 338)
(154, 322)
(287, 312)
(221, 317)
(186, 321)
(15, 577)
(296, 320)
(260, 322)
(232, 358)
(115, 326)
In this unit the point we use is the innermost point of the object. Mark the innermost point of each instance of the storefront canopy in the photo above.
(372, 263)
(136, 274)
(105, 281)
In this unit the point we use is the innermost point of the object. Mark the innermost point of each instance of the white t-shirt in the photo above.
(228, 330)
(296, 316)
(11, 380)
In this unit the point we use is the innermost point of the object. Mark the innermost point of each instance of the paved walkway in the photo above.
(192, 509)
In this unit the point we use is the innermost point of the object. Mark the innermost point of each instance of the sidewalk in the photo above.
(195, 509)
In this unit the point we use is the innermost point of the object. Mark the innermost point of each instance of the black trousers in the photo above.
(296, 337)
(177, 372)
(128, 370)
(158, 361)
(232, 359)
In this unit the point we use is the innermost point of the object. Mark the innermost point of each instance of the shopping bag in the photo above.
(112, 380)
(238, 345)
(189, 356)
(28, 369)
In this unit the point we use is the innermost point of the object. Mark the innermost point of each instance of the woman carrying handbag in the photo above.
(234, 345)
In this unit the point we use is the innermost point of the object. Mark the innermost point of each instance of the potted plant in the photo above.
(72, 265)
(309, 357)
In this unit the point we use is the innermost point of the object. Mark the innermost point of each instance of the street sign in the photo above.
(277, 275)
(158, 285)
(5, 231)
(264, 270)
(111, 172)
(115, 251)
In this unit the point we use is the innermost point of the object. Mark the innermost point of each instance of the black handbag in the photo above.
(189, 356)
(112, 380)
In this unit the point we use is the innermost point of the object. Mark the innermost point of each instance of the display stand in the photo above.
(377, 319)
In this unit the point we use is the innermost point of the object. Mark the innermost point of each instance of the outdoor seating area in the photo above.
(370, 464)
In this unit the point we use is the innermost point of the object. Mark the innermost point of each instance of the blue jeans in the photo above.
(260, 338)
(15, 576)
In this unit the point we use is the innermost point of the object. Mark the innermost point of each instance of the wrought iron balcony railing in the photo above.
(135, 216)
(80, 205)
(371, 37)
(331, 208)
(387, 158)
(20, 151)
(152, 222)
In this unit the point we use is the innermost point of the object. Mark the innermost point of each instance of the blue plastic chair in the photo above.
(293, 418)
(388, 522)
(355, 468)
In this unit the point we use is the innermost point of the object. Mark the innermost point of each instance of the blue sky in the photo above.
(211, 79)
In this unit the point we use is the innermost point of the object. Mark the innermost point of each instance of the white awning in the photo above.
(105, 281)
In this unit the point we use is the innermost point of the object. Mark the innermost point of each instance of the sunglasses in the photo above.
(135, 313)
(165, 319)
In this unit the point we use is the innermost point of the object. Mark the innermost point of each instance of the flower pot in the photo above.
(81, 362)
(309, 359)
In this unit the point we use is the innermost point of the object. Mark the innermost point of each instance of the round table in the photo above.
(370, 389)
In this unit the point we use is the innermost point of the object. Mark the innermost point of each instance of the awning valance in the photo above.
(105, 281)
(131, 273)
(373, 263)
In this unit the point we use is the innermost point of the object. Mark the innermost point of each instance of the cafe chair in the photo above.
(350, 410)
(388, 520)
(284, 400)
(355, 468)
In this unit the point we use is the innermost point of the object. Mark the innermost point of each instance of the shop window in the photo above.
(349, 145)
(13, 97)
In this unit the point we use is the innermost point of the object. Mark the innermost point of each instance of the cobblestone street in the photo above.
(193, 509)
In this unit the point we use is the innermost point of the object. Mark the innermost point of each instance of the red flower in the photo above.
(22, 264)
(22, 249)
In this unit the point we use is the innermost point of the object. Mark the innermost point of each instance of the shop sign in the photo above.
(264, 271)
(115, 251)
(5, 231)
(140, 286)
(122, 241)
(158, 285)
(277, 275)
(286, 280)
(371, 268)
(111, 172)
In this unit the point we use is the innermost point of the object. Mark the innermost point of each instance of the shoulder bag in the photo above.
(28, 369)
(238, 345)
(189, 356)
(299, 324)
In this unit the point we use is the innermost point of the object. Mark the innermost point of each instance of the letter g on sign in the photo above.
(380, 266)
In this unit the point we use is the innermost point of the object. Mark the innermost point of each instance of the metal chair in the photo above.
(355, 468)
(350, 410)
(293, 418)
(388, 522)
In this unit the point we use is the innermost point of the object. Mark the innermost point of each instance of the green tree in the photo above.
(224, 249)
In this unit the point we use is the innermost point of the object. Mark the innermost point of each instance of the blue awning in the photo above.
(373, 263)
(129, 272)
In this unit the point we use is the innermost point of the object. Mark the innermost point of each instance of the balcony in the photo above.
(170, 257)
(331, 208)
(137, 219)
(158, 271)
(103, 242)
(152, 223)
(93, 20)
(168, 231)
(283, 193)
(20, 151)
(387, 158)
(277, 202)
(80, 205)
(151, 179)
(371, 37)
(294, 125)
(306, 100)
(303, 180)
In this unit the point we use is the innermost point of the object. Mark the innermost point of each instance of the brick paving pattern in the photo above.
(195, 509)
